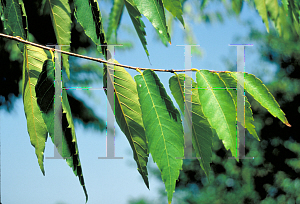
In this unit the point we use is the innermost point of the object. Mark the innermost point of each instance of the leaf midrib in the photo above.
(211, 90)
(31, 97)
(160, 125)
(52, 5)
(124, 117)
(190, 120)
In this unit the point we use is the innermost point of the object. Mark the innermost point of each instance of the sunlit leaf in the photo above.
(262, 10)
(218, 106)
(60, 13)
(153, 10)
(32, 67)
(232, 83)
(285, 4)
(261, 94)
(174, 6)
(273, 8)
(64, 127)
(129, 115)
(163, 128)
(201, 129)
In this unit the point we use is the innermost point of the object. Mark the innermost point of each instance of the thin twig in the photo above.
(92, 58)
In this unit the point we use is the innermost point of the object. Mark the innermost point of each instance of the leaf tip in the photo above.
(287, 123)
(149, 60)
(86, 195)
(42, 169)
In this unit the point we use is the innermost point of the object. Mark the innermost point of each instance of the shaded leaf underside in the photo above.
(32, 66)
(129, 115)
(67, 144)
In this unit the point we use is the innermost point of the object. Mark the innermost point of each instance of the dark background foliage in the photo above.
(41, 30)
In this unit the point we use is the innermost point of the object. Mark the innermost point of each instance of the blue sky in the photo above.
(109, 181)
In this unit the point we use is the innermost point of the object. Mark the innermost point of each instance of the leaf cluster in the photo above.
(143, 110)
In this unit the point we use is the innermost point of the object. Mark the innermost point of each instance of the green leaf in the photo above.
(89, 16)
(115, 18)
(153, 10)
(139, 25)
(162, 38)
(129, 115)
(67, 144)
(218, 106)
(262, 10)
(201, 129)
(203, 4)
(237, 6)
(41, 10)
(174, 6)
(1, 14)
(163, 128)
(60, 13)
(282, 24)
(37, 130)
(1, 10)
(273, 8)
(15, 20)
(285, 4)
(232, 83)
(261, 94)
(294, 16)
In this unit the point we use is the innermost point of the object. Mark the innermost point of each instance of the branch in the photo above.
(92, 58)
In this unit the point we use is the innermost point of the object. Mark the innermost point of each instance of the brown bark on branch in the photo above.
(19, 39)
